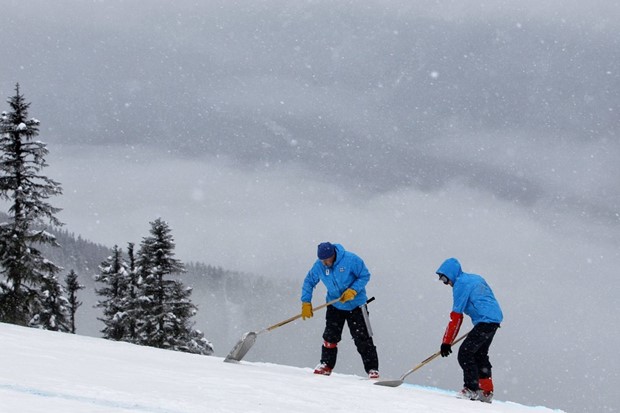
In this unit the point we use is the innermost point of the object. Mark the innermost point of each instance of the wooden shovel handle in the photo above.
(431, 358)
(288, 320)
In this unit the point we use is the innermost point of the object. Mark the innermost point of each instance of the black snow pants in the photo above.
(361, 332)
(474, 354)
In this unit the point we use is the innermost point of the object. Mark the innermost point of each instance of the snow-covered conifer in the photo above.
(72, 286)
(165, 304)
(26, 275)
(52, 307)
(113, 274)
(132, 296)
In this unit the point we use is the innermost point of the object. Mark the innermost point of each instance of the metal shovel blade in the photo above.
(241, 348)
(389, 383)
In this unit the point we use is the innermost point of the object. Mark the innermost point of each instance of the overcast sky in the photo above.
(409, 133)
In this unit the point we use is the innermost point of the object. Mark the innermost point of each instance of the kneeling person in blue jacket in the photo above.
(472, 296)
(345, 276)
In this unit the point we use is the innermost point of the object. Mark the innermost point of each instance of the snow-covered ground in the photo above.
(43, 371)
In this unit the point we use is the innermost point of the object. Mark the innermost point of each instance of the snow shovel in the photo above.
(247, 340)
(396, 383)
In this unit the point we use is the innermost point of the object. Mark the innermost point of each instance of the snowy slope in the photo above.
(42, 371)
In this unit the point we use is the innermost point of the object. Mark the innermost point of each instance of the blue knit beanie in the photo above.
(325, 250)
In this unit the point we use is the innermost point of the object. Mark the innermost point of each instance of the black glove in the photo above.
(446, 350)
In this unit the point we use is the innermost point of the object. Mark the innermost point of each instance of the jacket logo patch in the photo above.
(341, 269)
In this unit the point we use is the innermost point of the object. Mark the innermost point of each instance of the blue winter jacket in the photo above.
(348, 271)
(471, 294)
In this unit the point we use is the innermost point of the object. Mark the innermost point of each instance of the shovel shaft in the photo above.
(429, 359)
(396, 383)
(247, 341)
(295, 317)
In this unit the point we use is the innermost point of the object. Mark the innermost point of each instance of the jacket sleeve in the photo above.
(456, 319)
(308, 285)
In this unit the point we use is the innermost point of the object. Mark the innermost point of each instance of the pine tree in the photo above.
(113, 274)
(72, 286)
(28, 275)
(132, 296)
(53, 307)
(165, 305)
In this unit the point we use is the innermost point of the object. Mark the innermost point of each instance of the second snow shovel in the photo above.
(247, 340)
(396, 383)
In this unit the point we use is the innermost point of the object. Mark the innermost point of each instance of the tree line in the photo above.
(141, 301)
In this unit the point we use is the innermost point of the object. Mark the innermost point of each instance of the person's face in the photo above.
(328, 262)
(445, 280)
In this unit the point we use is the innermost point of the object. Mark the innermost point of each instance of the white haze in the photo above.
(268, 219)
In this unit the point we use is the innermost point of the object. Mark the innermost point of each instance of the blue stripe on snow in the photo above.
(89, 400)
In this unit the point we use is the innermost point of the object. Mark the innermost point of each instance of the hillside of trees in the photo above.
(228, 301)
(53, 279)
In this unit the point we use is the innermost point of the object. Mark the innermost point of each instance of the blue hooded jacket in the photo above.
(348, 271)
(471, 294)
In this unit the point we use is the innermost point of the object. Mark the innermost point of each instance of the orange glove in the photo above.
(348, 295)
(306, 310)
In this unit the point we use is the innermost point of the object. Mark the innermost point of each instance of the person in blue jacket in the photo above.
(472, 296)
(345, 276)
